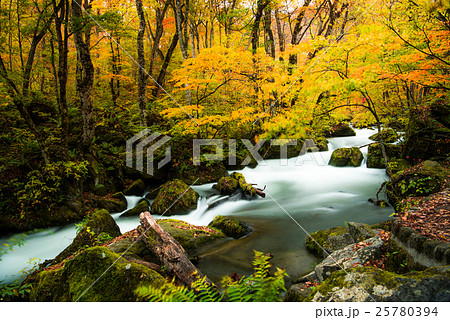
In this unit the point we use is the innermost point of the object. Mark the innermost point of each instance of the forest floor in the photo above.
(430, 216)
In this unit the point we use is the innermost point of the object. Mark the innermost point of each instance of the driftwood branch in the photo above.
(171, 254)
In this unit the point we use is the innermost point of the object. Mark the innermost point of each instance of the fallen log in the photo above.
(171, 254)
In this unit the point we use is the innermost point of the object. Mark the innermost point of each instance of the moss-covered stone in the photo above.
(134, 248)
(375, 156)
(227, 185)
(321, 144)
(341, 130)
(100, 190)
(421, 180)
(142, 206)
(318, 240)
(111, 204)
(230, 227)
(398, 165)
(387, 135)
(201, 174)
(137, 188)
(360, 231)
(96, 274)
(190, 237)
(174, 197)
(99, 224)
(247, 187)
(346, 157)
(432, 284)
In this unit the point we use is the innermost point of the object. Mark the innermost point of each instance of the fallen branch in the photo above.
(171, 254)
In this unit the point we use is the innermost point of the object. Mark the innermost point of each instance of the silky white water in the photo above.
(304, 195)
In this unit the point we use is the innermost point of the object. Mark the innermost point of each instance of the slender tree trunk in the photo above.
(85, 78)
(183, 38)
(62, 37)
(269, 42)
(261, 5)
(142, 75)
(281, 41)
(297, 29)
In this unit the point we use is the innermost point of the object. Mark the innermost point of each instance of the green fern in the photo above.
(260, 286)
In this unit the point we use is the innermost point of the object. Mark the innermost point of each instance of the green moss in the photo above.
(421, 180)
(137, 188)
(375, 157)
(227, 185)
(190, 237)
(230, 227)
(346, 157)
(388, 135)
(383, 285)
(201, 174)
(320, 238)
(142, 206)
(398, 165)
(47, 286)
(341, 130)
(96, 274)
(247, 187)
(174, 197)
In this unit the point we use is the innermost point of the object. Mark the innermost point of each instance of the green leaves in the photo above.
(260, 286)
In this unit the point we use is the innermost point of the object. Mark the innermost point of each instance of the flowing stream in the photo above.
(304, 195)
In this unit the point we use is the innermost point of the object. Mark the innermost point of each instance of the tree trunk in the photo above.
(269, 42)
(62, 37)
(142, 75)
(170, 252)
(261, 5)
(85, 78)
(297, 28)
(183, 39)
(281, 41)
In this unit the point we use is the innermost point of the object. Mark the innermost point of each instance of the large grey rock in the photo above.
(373, 284)
(351, 256)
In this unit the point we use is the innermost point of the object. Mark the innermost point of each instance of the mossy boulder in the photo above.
(226, 185)
(375, 156)
(341, 130)
(346, 157)
(189, 236)
(432, 284)
(230, 227)
(96, 274)
(421, 180)
(134, 248)
(201, 174)
(360, 231)
(321, 144)
(428, 134)
(398, 165)
(387, 135)
(116, 203)
(137, 188)
(142, 206)
(100, 190)
(99, 225)
(328, 240)
(293, 148)
(174, 197)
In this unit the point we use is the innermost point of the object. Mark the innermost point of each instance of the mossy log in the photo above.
(171, 254)
(247, 187)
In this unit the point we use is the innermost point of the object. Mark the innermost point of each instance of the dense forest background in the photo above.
(78, 78)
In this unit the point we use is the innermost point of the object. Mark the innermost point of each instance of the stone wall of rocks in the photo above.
(422, 251)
